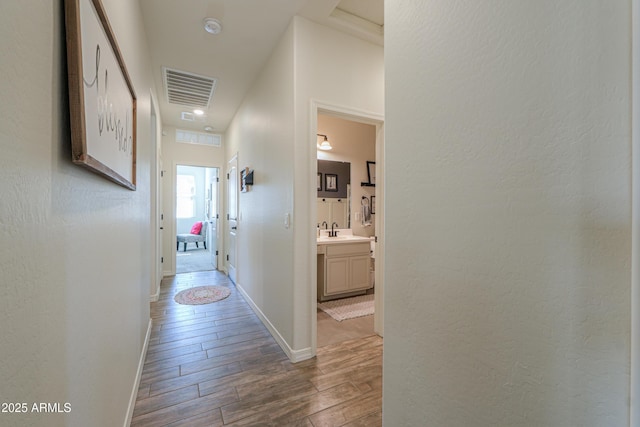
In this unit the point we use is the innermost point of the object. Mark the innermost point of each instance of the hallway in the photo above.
(216, 364)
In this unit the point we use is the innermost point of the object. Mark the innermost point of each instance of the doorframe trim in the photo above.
(174, 222)
(226, 221)
(356, 115)
(634, 392)
(157, 269)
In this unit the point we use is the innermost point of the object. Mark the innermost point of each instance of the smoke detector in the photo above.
(212, 26)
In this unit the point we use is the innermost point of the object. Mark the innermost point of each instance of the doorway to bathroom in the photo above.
(356, 138)
(197, 216)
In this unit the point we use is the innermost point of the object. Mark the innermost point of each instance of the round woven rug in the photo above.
(202, 295)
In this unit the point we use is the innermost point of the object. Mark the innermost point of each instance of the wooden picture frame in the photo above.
(246, 179)
(330, 182)
(102, 100)
(371, 172)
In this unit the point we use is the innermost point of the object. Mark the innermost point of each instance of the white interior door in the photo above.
(157, 208)
(232, 217)
(160, 213)
(213, 217)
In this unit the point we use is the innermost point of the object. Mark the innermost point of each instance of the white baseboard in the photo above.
(136, 383)
(293, 355)
(156, 295)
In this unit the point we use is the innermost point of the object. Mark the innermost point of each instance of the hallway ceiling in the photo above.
(251, 29)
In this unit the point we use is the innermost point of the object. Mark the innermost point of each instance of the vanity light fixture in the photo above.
(324, 145)
(198, 112)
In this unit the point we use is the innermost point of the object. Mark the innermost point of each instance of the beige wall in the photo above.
(508, 262)
(261, 133)
(75, 257)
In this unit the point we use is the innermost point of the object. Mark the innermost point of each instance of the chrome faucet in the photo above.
(333, 233)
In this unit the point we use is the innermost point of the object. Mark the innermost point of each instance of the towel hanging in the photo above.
(366, 212)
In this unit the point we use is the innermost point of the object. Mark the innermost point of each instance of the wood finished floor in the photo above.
(217, 365)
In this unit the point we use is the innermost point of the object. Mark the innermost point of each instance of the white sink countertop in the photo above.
(344, 236)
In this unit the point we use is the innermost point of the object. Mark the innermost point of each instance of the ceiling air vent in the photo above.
(184, 88)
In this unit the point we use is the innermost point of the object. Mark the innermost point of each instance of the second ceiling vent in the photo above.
(184, 88)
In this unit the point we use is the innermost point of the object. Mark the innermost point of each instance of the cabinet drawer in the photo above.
(346, 249)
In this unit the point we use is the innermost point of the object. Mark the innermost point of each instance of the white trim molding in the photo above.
(136, 382)
(293, 355)
(154, 297)
(634, 392)
(355, 115)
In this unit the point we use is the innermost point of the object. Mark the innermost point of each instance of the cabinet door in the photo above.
(359, 272)
(337, 279)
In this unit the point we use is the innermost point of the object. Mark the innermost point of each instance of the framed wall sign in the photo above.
(102, 101)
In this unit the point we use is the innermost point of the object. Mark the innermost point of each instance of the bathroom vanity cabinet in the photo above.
(343, 269)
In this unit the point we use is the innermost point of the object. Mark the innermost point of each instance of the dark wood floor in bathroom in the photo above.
(217, 365)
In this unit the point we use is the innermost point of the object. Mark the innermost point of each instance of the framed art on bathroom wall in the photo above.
(330, 182)
(371, 171)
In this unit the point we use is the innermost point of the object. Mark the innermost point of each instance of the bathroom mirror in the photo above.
(334, 193)
(332, 210)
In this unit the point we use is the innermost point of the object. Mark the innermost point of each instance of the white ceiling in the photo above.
(250, 31)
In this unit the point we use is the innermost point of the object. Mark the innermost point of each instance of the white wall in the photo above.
(508, 262)
(354, 143)
(75, 257)
(261, 133)
(338, 70)
(174, 154)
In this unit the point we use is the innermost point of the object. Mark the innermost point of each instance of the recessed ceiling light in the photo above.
(212, 26)
(198, 112)
(208, 128)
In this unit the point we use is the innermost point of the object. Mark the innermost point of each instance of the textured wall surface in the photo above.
(75, 258)
(261, 134)
(508, 262)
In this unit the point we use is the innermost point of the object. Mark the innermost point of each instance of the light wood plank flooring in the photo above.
(217, 365)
